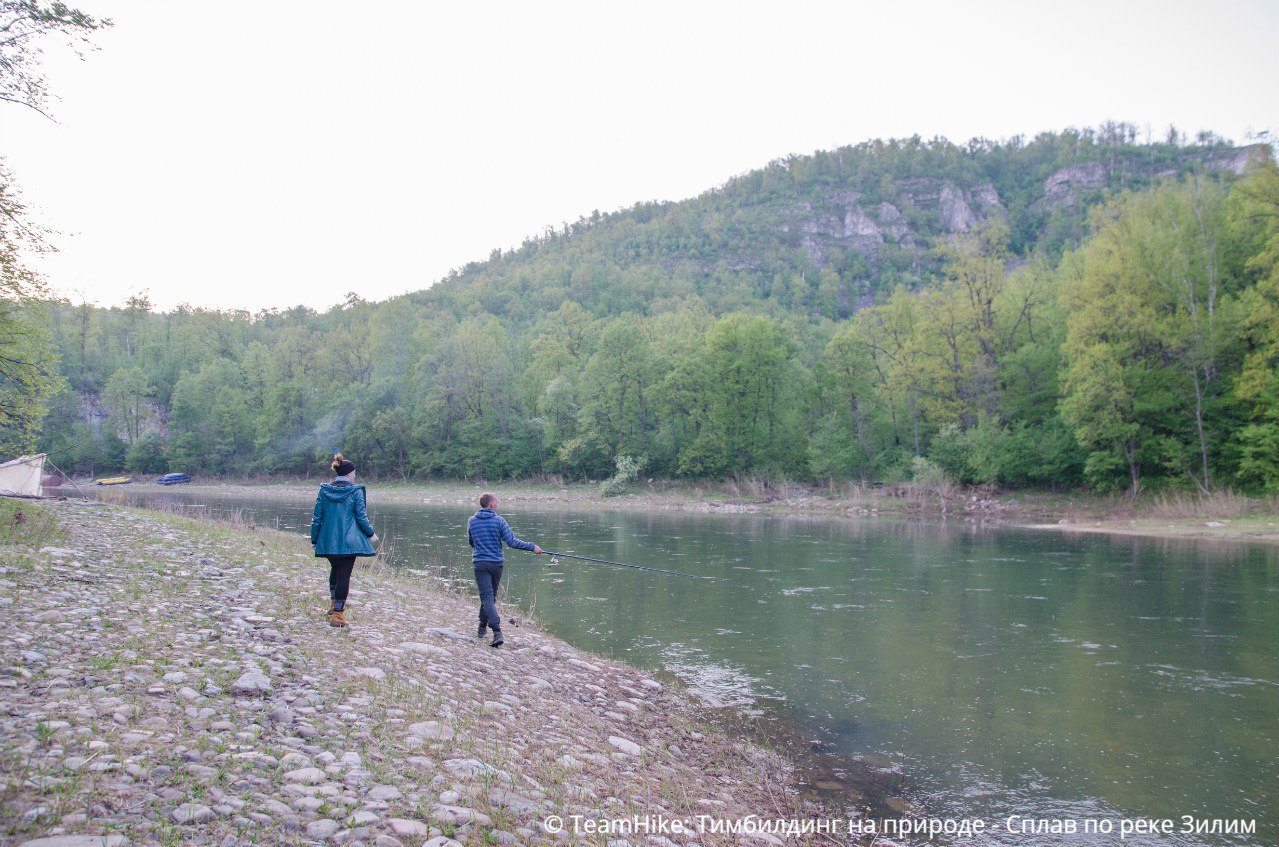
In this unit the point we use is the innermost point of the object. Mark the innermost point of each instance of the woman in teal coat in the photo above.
(341, 532)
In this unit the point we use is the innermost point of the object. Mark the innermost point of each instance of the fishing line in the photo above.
(555, 556)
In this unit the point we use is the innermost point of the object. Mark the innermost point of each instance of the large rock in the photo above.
(310, 776)
(251, 682)
(275, 807)
(384, 793)
(630, 748)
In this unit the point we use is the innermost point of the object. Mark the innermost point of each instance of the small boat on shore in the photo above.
(174, 478)
(115, 480)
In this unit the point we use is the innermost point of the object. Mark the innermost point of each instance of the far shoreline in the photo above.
(1180, 516)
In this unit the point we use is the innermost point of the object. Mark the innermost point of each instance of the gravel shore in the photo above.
(167, 681)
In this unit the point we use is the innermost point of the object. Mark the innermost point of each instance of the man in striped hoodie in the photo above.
(486, 532)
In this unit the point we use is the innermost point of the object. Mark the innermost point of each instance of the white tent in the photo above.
(21, 476)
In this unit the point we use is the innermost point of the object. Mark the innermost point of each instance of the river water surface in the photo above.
(1006, 674)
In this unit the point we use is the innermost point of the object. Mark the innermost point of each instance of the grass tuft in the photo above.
(1217, 504)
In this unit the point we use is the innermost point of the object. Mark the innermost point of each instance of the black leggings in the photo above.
(340, 568)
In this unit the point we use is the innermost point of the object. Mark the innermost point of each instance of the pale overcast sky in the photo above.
(267, 154)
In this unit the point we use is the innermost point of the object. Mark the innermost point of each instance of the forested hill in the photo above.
(823, 235)
(1076, 309)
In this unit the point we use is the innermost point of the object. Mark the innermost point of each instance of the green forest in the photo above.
(1084, 308)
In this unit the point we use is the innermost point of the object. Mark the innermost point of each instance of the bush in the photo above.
(949, 451)
(628, 470)
(927, 474)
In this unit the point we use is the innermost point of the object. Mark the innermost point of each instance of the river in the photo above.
(1033, 681)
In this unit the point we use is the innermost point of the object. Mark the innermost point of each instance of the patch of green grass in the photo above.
(104, 662)
(27, 525)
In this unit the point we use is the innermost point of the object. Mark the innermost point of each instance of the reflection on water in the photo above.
(714, 681)
(1003, 673)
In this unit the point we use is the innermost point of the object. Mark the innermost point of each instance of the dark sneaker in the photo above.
(498, 640)
(482, 631)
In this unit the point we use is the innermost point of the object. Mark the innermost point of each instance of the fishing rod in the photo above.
(555, 556)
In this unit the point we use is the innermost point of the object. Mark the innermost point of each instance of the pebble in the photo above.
(195, 683)
(407, 828)
(459, 815)
(473, 768)
(78, 841)
(192, 813)
(384, 793)
(307, 775)
(511, 801)
(252, 682)
(627, 746)
(431, 729)
(322, 829)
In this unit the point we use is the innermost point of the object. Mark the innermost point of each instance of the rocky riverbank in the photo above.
(167, 681)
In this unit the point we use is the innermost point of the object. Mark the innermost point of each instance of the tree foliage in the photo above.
(1125, 339)
(1152, 331)
(29, 381)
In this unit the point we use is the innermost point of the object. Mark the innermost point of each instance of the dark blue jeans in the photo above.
(488, 576)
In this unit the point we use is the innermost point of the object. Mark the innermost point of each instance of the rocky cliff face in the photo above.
(1064, 187)
(928, 206)
(928, 210)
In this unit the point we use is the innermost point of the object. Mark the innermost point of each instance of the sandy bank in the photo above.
(166, 680)
(1254, 529)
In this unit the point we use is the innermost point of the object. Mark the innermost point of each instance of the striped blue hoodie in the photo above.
(485, 532)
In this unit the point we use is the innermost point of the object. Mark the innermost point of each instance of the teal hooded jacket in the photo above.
(340, 525)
